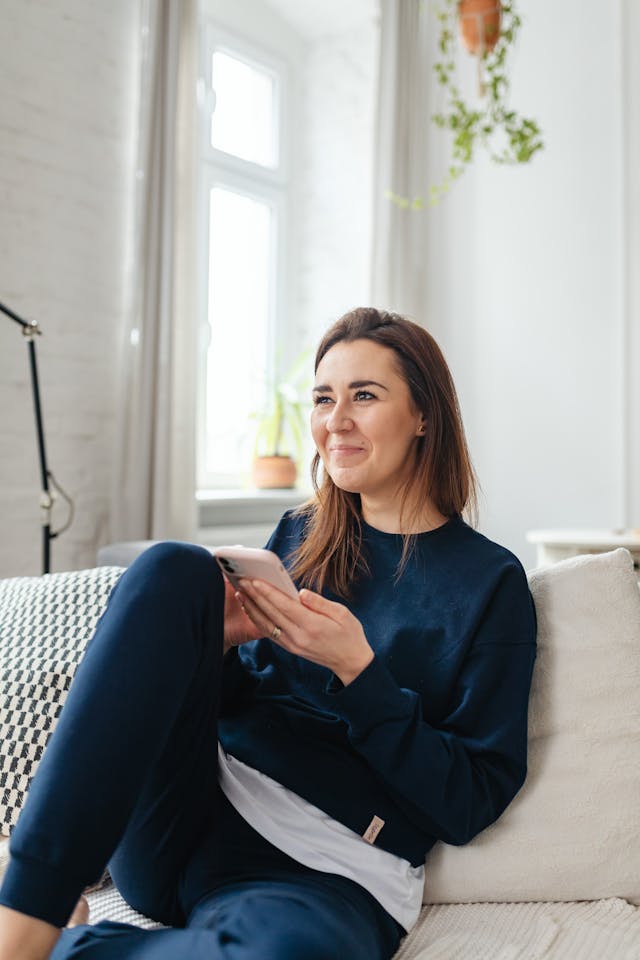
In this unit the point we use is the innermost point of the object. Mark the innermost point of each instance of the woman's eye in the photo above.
(359, 395)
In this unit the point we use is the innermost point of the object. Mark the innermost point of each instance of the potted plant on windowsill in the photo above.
(280, 434)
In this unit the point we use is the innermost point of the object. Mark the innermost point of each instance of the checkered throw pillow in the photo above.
(45, 624)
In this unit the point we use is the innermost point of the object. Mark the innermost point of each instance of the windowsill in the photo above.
(251, 494)
(245, 506)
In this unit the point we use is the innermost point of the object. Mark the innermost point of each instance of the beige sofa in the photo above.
(558, 876)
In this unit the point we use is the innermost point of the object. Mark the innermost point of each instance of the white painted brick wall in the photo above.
(67, 76)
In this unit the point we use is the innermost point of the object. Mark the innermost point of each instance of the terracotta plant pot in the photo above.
(479, 23)
(271, 473)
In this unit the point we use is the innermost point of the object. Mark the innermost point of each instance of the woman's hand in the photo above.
(238, 628)
(314, 628)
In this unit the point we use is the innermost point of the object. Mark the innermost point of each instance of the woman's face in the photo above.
(364, 423)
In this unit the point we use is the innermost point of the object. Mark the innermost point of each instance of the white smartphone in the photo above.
(250, 563)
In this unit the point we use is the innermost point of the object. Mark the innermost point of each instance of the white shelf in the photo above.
(555, 545)
(596, 538)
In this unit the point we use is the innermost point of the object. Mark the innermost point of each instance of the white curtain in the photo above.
(154, 468)
(399, 235)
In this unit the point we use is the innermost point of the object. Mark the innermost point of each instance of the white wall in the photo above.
(630, 71)
(66, 74)
(526, 287)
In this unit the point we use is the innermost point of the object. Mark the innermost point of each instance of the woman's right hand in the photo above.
(238, 628)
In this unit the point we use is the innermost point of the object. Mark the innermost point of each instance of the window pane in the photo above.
(240, 281)
(243, 121)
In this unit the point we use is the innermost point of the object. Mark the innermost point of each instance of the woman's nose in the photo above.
(339, 420)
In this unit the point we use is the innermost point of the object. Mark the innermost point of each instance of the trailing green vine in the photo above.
(474, 127)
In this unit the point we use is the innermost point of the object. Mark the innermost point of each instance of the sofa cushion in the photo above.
(573, 831)
(45, 624)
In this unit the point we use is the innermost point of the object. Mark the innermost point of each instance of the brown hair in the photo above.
(330, 554)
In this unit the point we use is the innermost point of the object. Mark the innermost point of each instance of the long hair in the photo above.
(331, 552)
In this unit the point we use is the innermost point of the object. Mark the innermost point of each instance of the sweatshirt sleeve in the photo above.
(455, 779)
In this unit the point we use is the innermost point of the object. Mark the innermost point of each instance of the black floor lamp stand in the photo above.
(30, 330)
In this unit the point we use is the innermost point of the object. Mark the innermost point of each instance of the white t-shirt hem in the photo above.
(313, 838)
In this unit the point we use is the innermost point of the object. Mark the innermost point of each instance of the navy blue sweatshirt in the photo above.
(432, 736)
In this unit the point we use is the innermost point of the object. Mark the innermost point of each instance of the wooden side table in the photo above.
(554, 545)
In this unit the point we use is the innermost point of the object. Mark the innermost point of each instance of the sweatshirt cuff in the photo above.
(39, 890)
(373, 697)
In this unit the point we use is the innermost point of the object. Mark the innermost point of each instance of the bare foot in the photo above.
(25, 938)
(80, 913)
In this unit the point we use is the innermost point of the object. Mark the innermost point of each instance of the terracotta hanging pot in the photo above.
(479, 24)
(272, 473)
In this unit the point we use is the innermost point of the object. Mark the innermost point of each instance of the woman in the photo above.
(279, 801)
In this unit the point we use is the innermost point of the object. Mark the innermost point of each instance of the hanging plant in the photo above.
(488, 30)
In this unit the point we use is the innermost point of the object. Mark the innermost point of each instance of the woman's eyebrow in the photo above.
(354, 385)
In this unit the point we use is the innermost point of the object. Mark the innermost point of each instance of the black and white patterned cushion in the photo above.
(45, 624)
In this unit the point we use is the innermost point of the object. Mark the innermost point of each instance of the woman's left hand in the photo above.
(315, 628)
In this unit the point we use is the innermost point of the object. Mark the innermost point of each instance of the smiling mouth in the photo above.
(345, 449)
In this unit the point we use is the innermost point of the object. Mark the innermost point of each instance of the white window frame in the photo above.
(269, 185)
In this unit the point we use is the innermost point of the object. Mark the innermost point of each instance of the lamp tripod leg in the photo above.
(46, 548)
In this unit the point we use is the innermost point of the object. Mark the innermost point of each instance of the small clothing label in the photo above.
(373, 830)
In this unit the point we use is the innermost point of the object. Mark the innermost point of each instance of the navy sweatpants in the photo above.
(129, 779)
